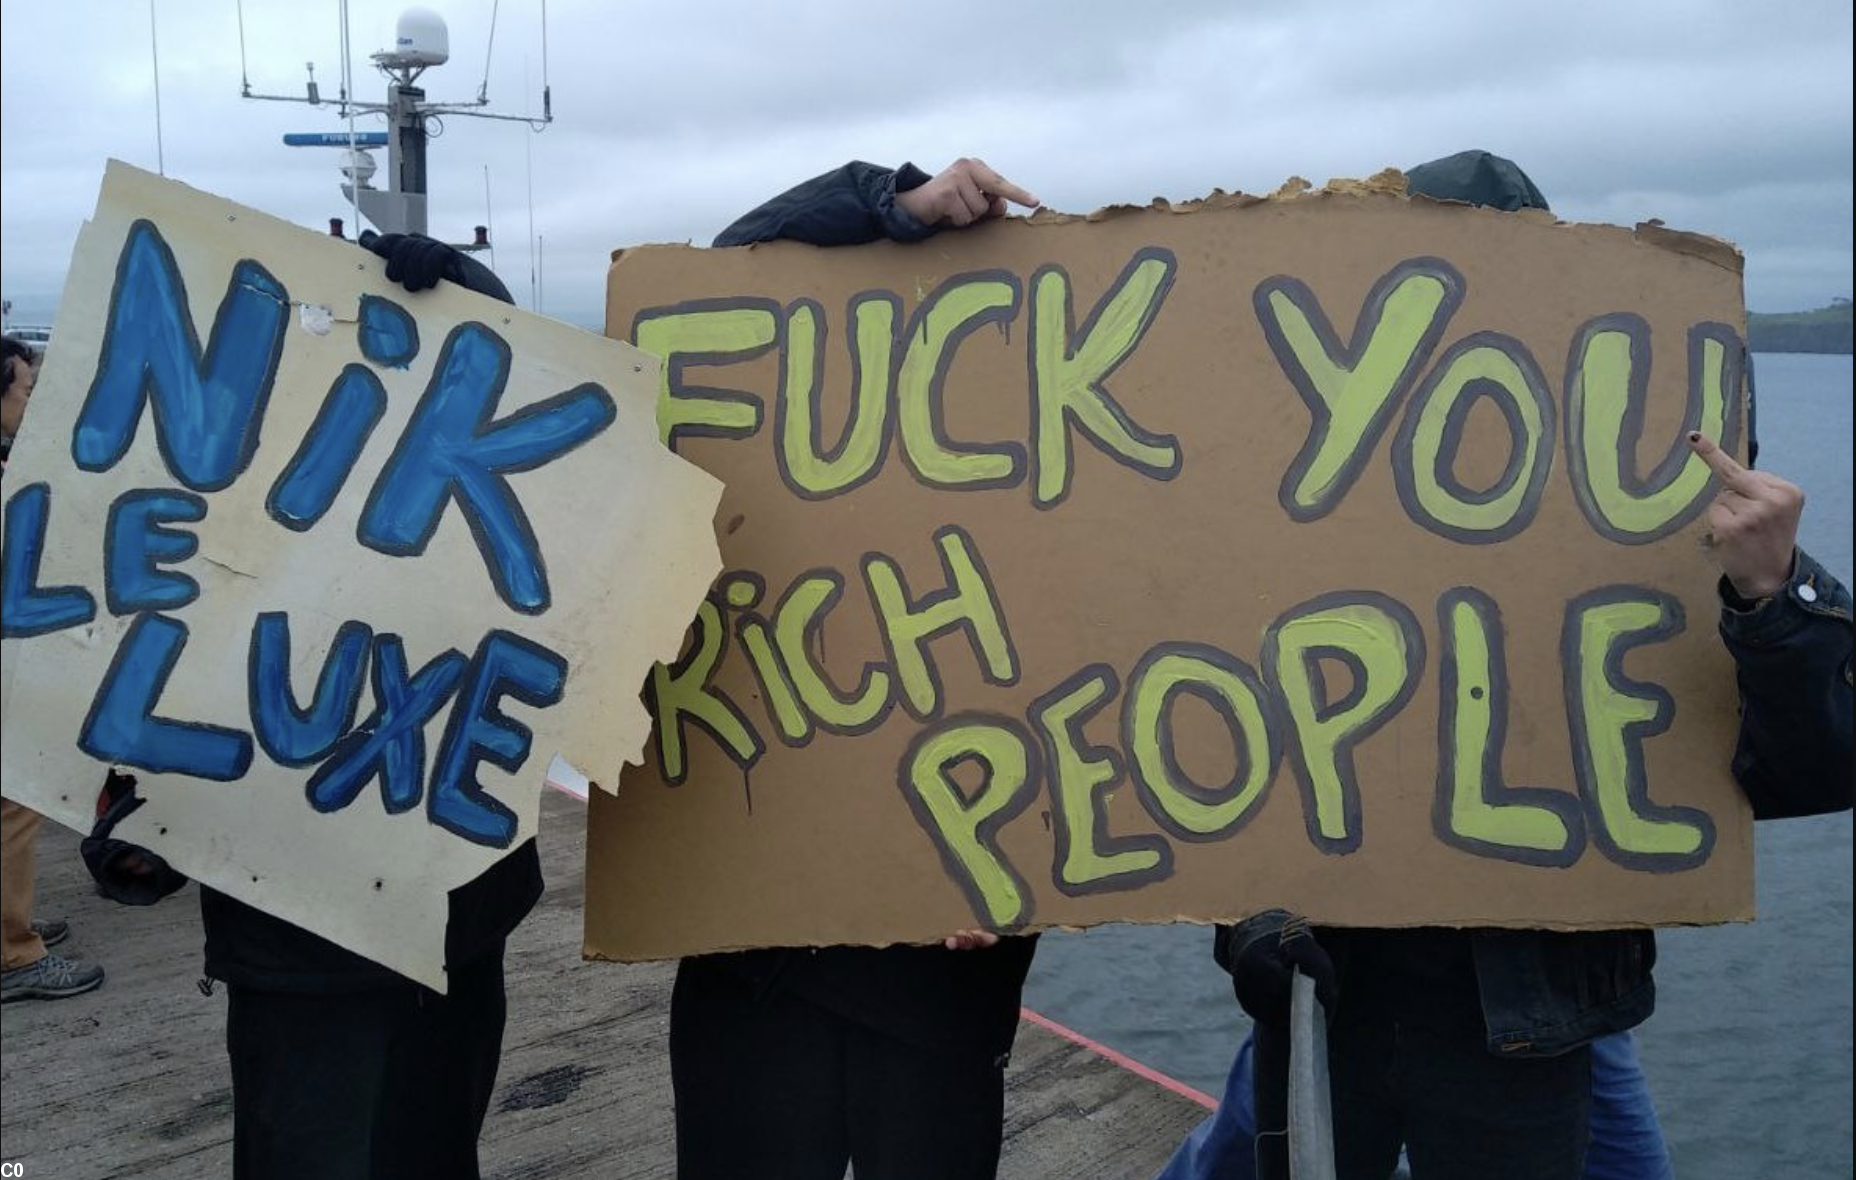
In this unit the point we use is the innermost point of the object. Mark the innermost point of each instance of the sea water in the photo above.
(1749, 1052)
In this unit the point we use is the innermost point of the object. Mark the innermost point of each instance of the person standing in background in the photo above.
(30, 970)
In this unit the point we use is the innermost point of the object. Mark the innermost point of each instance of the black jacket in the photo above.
(847, 207)
(250, 948)
(926, 995)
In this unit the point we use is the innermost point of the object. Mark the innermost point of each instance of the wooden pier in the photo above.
(131, 1080)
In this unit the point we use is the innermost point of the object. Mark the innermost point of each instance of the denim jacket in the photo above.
(1545, 992)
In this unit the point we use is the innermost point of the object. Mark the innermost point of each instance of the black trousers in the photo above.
(1410, 1067)
(388, 1084)
(774, 1087)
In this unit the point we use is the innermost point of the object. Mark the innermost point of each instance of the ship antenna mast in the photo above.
(421, 42)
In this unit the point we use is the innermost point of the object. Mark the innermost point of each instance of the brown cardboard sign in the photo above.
(1338, 552)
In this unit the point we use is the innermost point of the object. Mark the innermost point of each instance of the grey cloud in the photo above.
(1716, 116)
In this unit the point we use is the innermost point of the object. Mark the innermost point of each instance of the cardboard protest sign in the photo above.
(1336, 552)
(332, 568)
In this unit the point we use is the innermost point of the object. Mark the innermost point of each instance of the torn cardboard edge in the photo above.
(593, 954)
(1386, 183)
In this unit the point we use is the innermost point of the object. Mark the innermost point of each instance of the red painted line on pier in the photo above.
(1122, 1059)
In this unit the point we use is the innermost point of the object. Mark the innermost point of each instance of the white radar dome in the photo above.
(358, 166)
(421, 38)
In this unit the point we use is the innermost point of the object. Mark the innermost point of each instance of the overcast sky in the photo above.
(1719, 116)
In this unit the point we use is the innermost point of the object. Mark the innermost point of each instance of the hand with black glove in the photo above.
(125, 872)
(1263, 953)
(414, 261)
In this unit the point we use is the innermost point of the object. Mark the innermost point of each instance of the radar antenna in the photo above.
(421, 42)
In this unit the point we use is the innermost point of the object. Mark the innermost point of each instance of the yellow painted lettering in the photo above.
(943, 320)
(683, 691)
(1188, 809)
(1606, 390)
(1088, 860)
(1351, 390)
(800, 615)
(965, 827)
(811, 469)
(782, 698)
(1069, 375)
(1500, 369)
(705, 332)
(1611, 716)
(1476, 810)
(968, 603)
(1379, 643)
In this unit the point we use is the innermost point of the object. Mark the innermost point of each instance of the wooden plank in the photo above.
(132, 1080)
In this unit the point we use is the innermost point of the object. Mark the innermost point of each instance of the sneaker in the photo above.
(51, 931)
(51, 978)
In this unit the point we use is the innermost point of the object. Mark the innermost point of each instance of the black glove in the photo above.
(1263, 954)
(125, 872)
(414, 261)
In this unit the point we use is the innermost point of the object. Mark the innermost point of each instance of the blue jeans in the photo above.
(1220, 1147)
(1627, 1141)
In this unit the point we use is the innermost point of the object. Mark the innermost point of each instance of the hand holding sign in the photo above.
(1263, 956)
(1753, 521)
(964, 192)
(970, 940)
(414, 261)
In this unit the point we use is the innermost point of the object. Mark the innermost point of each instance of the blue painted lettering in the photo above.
(207, 410)
(453, 449)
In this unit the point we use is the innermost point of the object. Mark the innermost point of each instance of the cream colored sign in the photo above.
(332, 568)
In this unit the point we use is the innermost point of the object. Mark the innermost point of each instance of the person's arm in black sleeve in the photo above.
(1786, 622)
(865, 203)
(845, 207)
(1792, 659)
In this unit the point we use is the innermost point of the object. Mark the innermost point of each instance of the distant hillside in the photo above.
(1824, 330)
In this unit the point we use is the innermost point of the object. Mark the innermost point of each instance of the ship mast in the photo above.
(421, 42)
